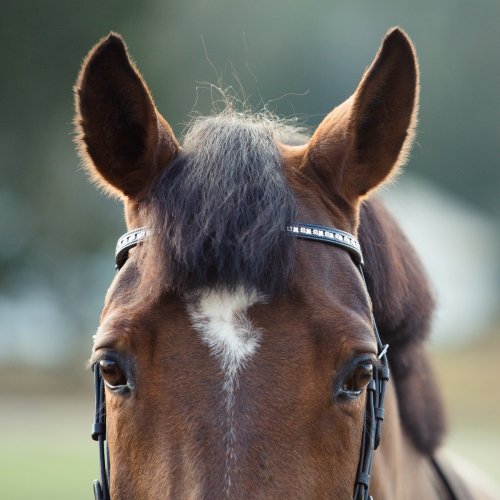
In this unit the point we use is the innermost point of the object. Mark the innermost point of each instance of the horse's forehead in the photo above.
(232, 323)
(321, 273)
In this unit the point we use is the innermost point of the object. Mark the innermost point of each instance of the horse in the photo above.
(263, 292)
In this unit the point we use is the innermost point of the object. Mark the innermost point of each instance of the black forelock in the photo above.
(218, 213)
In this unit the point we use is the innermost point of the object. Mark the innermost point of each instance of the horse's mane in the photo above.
(403, 308)
(223, 226)
(218, 211)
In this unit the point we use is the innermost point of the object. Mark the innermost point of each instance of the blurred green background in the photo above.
(298, 59)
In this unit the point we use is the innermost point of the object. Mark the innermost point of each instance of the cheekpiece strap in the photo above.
(328, 235)
(126, 242)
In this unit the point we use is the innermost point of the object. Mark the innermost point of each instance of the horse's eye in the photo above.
(112, 374)
(357, 380)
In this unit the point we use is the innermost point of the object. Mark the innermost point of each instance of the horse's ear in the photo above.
(122, 138)
(362, 141)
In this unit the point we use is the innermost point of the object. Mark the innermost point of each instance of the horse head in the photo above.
(236, 358)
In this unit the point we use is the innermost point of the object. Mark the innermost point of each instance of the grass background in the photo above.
(47, 453)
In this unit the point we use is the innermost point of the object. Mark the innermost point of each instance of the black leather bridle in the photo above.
(101, 487)
(374, 414)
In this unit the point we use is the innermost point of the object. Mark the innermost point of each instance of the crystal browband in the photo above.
(328, 235)
(304, 231)
(126, 242)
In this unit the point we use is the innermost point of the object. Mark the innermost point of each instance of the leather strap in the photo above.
(453, 485)
(126, 242)
(300, 230)
(328, 235)
(100, 487)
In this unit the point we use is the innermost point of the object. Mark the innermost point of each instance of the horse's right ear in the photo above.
(122, 138)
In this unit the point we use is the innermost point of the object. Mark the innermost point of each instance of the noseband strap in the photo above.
(375, 393)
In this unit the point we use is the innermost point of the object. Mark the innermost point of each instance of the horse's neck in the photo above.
(414, 426)
(403, 306)
(400, 471)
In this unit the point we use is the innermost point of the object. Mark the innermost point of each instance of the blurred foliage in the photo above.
(295, 58)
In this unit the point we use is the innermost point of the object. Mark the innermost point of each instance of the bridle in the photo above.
(375, 393)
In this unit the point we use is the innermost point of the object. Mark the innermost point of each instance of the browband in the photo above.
(299, 230)
(126, 242)
(328, 235)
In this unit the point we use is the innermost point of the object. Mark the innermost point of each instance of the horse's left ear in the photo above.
(123, 139)
(362, 141)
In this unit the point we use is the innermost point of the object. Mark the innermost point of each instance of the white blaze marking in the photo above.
(220, 317)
